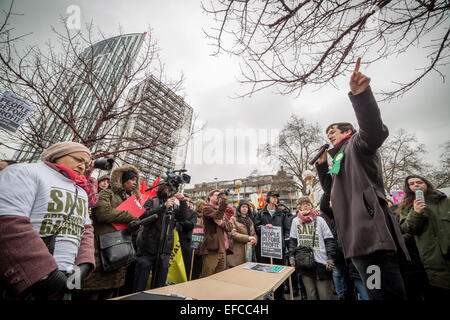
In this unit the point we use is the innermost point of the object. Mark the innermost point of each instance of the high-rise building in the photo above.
(108, 61)
(163, 118)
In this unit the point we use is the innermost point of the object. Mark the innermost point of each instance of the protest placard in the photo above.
(198, 235)
(271, 245)
(14, 111)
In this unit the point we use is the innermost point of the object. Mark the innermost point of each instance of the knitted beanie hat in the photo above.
(62, 149)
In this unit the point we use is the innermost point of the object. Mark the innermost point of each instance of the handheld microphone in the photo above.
(321, 150)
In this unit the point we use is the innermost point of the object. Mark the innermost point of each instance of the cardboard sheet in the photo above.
(233, 284)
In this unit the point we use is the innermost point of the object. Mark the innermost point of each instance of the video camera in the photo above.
(173, 180)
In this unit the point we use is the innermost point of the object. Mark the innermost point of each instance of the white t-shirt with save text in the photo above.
(45, 196)
(304, 236)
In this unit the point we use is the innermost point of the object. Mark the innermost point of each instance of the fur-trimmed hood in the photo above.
(116, 180)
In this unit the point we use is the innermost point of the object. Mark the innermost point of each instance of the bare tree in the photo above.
(287, 44)
(79, 87)
(298, 142)
(401, 155)
(440, 175)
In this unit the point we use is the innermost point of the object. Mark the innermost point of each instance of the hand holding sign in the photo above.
(358, 81)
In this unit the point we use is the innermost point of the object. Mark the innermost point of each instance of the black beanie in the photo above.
(128, 175)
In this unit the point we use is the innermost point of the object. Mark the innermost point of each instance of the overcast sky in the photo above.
(210, 82)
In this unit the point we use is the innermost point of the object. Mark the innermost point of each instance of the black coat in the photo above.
(279, 219)
(149, 238)
(185, 227)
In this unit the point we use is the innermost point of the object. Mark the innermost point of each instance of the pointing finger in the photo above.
(358, 62)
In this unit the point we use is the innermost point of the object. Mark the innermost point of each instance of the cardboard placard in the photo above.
(14, 111)
(271, 242)
(198, 235)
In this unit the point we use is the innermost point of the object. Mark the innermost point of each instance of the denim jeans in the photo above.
(361, 289)
(143, 266)
(390, 279)
(342, 282)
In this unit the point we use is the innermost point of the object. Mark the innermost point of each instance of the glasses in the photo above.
(81, 160)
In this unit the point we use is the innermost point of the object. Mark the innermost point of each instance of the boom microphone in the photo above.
(321, 150)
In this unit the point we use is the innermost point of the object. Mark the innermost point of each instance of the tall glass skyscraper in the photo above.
(107, 63)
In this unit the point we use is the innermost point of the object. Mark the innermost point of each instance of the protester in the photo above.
(35, 201)
(5, 163)
(429, 224)
(104, 182)
(271, 216)
(346, 278)
(242, 233)
(154, 244)
(184, 229)
(253, 211)
(297, 282)
(124, 183)
(197, 266)
(307, 228)
(216, 225)
(368, 232)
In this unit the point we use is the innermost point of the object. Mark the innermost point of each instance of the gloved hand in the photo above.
(84, 270)
(54, 284)
(133, 226)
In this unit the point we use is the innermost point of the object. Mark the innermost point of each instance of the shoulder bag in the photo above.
(304, 256)
(116, 250)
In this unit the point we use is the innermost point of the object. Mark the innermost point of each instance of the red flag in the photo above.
(261, 202)
(148, 194)
(143, 187)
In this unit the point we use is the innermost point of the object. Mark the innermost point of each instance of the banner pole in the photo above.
(192, 265)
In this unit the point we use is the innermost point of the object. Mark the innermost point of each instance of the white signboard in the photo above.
(271, 245)
(13, 112)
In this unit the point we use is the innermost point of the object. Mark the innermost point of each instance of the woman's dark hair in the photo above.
(342, 126)
(410, 196)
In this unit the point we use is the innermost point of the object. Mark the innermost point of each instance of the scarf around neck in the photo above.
(310, 217)
(88, 185)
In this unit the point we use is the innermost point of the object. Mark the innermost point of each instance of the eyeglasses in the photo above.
(81, 160)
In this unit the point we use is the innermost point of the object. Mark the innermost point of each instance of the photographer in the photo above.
(156, 239)
(216, 243)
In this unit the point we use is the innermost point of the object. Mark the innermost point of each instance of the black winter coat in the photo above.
(279, 219)
(148, 240)
(185, 227)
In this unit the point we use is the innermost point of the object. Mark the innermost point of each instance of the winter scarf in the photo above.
(310, 217)
(89, 184)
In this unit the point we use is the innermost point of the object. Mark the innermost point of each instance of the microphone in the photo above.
(321, 150)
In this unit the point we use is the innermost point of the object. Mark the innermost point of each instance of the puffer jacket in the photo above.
(431, 230)
(104, 213)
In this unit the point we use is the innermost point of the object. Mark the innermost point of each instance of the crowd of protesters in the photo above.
(53, 213)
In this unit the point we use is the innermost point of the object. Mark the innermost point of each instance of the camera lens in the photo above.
(104, 164)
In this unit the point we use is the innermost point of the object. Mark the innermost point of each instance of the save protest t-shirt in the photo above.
(304, 235)
(45, 196)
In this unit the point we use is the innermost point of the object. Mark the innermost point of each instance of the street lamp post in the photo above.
(238, 184)
(308, 175)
